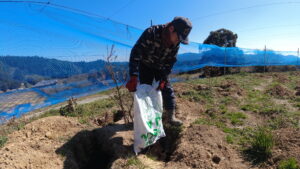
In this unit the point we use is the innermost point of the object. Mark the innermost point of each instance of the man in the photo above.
(153, 57)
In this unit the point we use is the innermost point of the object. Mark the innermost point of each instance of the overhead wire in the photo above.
(75, 10)
(244, 8)
(114, 13)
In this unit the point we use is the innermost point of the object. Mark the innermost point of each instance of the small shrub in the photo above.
(261, 145)
(290, 163)
(69, 109)
(3, 140)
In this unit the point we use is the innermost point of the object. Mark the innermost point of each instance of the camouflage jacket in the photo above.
(150, 51)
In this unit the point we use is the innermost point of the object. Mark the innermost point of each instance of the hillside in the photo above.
(15, 70)
(246, 120)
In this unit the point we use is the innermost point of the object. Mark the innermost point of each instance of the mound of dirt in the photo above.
(204, 147)
(201, 87)
(297, 90)
(35, 145)
(279, 91)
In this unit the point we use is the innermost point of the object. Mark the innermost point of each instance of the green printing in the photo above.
(150, 137)
(149, 123)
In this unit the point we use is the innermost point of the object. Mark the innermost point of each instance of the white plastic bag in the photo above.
(148, 108)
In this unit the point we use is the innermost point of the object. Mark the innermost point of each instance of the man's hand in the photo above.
(161, 85)
(131, 84)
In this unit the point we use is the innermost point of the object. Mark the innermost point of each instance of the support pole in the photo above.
(298, 58)
(225, 60)
(265, 59)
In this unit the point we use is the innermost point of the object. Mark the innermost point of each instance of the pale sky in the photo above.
(275, 24)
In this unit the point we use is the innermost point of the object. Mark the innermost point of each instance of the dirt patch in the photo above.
(35, 145)
(253, 120)
(281, 78)
(204, 147)
(285, 103)
(62, 142)
(262, 86)
(230, 88)
(287, 145)
(201, 87)
(188, 112)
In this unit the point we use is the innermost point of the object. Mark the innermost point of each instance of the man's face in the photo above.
(173, 36)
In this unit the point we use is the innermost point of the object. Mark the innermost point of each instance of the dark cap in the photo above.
(183, 27)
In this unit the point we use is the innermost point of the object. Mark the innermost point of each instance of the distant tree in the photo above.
(222, 38)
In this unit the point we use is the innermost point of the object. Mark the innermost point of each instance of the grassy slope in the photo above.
(237, 104)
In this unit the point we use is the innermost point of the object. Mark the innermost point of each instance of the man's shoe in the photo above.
(170, 118)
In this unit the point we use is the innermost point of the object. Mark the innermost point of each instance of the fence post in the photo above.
(225, 60)
(298, 58)
(265, 59)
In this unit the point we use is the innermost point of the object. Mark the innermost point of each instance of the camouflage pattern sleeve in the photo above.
(168, 66)
(141, 47)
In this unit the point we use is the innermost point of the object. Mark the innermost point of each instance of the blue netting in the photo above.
(79, 42)
(211, 55)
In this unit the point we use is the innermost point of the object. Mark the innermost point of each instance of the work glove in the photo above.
(161, 85)
(131, 84)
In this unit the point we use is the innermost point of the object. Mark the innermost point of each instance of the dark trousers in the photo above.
(147, 75)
